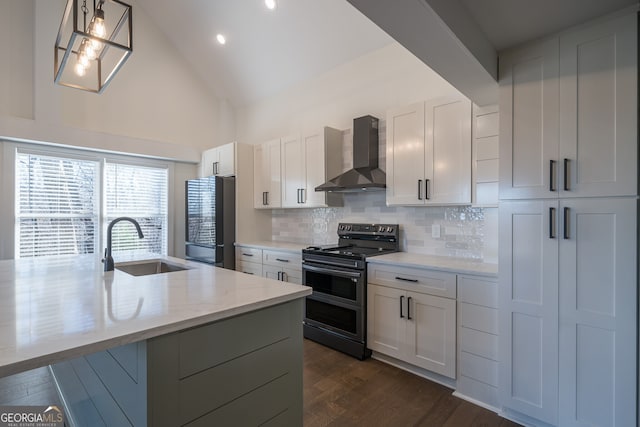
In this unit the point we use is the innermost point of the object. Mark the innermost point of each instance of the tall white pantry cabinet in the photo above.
(568, 227)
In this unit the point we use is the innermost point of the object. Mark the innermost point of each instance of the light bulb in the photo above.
(96, 27)
(89, 50)
(221, 39)
(96, 45)
(80, 69)
(83, 60)
(271, 4)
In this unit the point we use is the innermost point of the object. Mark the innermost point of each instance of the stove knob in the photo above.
(348, 227)
(341, 227)
(389, 229)
(381, 229)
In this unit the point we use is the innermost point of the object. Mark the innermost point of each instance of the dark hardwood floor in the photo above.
(339, 391)
(34, 387)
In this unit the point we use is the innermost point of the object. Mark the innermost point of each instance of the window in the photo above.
(140, 193)
(59, 207)
(56, 206)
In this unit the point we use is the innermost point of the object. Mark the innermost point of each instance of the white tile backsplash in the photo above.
(466, 232)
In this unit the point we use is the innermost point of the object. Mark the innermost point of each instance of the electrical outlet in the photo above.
(435, 231)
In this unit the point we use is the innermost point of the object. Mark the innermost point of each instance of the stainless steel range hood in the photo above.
(365, 174)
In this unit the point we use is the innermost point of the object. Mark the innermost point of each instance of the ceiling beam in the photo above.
(443, 35)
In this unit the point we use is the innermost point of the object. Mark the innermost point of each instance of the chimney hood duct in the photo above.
(365, 174)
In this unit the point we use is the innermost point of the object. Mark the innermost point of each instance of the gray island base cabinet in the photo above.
(244, 370)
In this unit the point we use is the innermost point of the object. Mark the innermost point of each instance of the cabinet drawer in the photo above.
(480, 318)
(249, 267)
(478, 390)
(430, 282)
(479, 368)
(282, 259)
(479, 343)
(244, 253)
(478, 291)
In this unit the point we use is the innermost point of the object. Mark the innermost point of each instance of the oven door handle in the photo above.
(332, 272)
(337, 264)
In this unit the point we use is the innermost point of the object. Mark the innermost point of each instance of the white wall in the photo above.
(385, 78)
(156, 106)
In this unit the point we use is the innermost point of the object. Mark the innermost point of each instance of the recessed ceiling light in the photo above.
(271, 4)
(221, 39)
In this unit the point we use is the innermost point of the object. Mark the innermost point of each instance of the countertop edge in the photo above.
(145, 334)
(290, 247)
(431, 266)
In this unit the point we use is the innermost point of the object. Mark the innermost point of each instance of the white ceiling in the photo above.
(266, 51)
(270, 51)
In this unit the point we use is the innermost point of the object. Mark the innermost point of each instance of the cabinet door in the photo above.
(405, 155)
(260, 173)
(266, 183)
(431, 333)
(226, 160)
(448, 151)
(293, 171)
(529, 121)
(282, 274)
(207, 164)
(386, 320)
(315, 161)
(599, 109)
(528, 295)
(598, 298)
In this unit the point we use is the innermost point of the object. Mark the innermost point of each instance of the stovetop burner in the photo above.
(360, 241)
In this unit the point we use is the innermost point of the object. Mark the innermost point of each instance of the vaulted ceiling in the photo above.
(270, 51)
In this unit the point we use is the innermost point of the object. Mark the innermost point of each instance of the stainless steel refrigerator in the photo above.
(211, 220)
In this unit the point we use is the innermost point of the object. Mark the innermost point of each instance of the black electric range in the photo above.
(336, 312)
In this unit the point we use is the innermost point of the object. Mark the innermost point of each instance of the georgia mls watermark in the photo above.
(31, 416)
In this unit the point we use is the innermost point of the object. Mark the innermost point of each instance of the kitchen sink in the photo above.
(147, 267)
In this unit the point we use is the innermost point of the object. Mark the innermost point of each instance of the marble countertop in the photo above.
(454, 265)
(60, 308)
(275, 245)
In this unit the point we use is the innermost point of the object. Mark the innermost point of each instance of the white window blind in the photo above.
(139, 192)
(56, 205)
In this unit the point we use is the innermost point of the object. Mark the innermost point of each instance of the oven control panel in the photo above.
(345, 229)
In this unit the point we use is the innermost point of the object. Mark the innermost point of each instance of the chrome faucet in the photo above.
(108, 259)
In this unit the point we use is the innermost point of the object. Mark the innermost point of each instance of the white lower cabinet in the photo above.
(568, 311)
(285, 266)
(281, 265)
(414, 327)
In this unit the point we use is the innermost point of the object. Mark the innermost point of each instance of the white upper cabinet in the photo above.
(322, 161)
(219, 161)
(568, 123)
(429, 153)
(308, 162)
(292, 165)
(598, 109)
(305, 162)
(266, 176)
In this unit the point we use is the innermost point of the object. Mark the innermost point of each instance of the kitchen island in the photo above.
(200, 346)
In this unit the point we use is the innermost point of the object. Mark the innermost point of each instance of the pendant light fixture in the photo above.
(92, 44)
